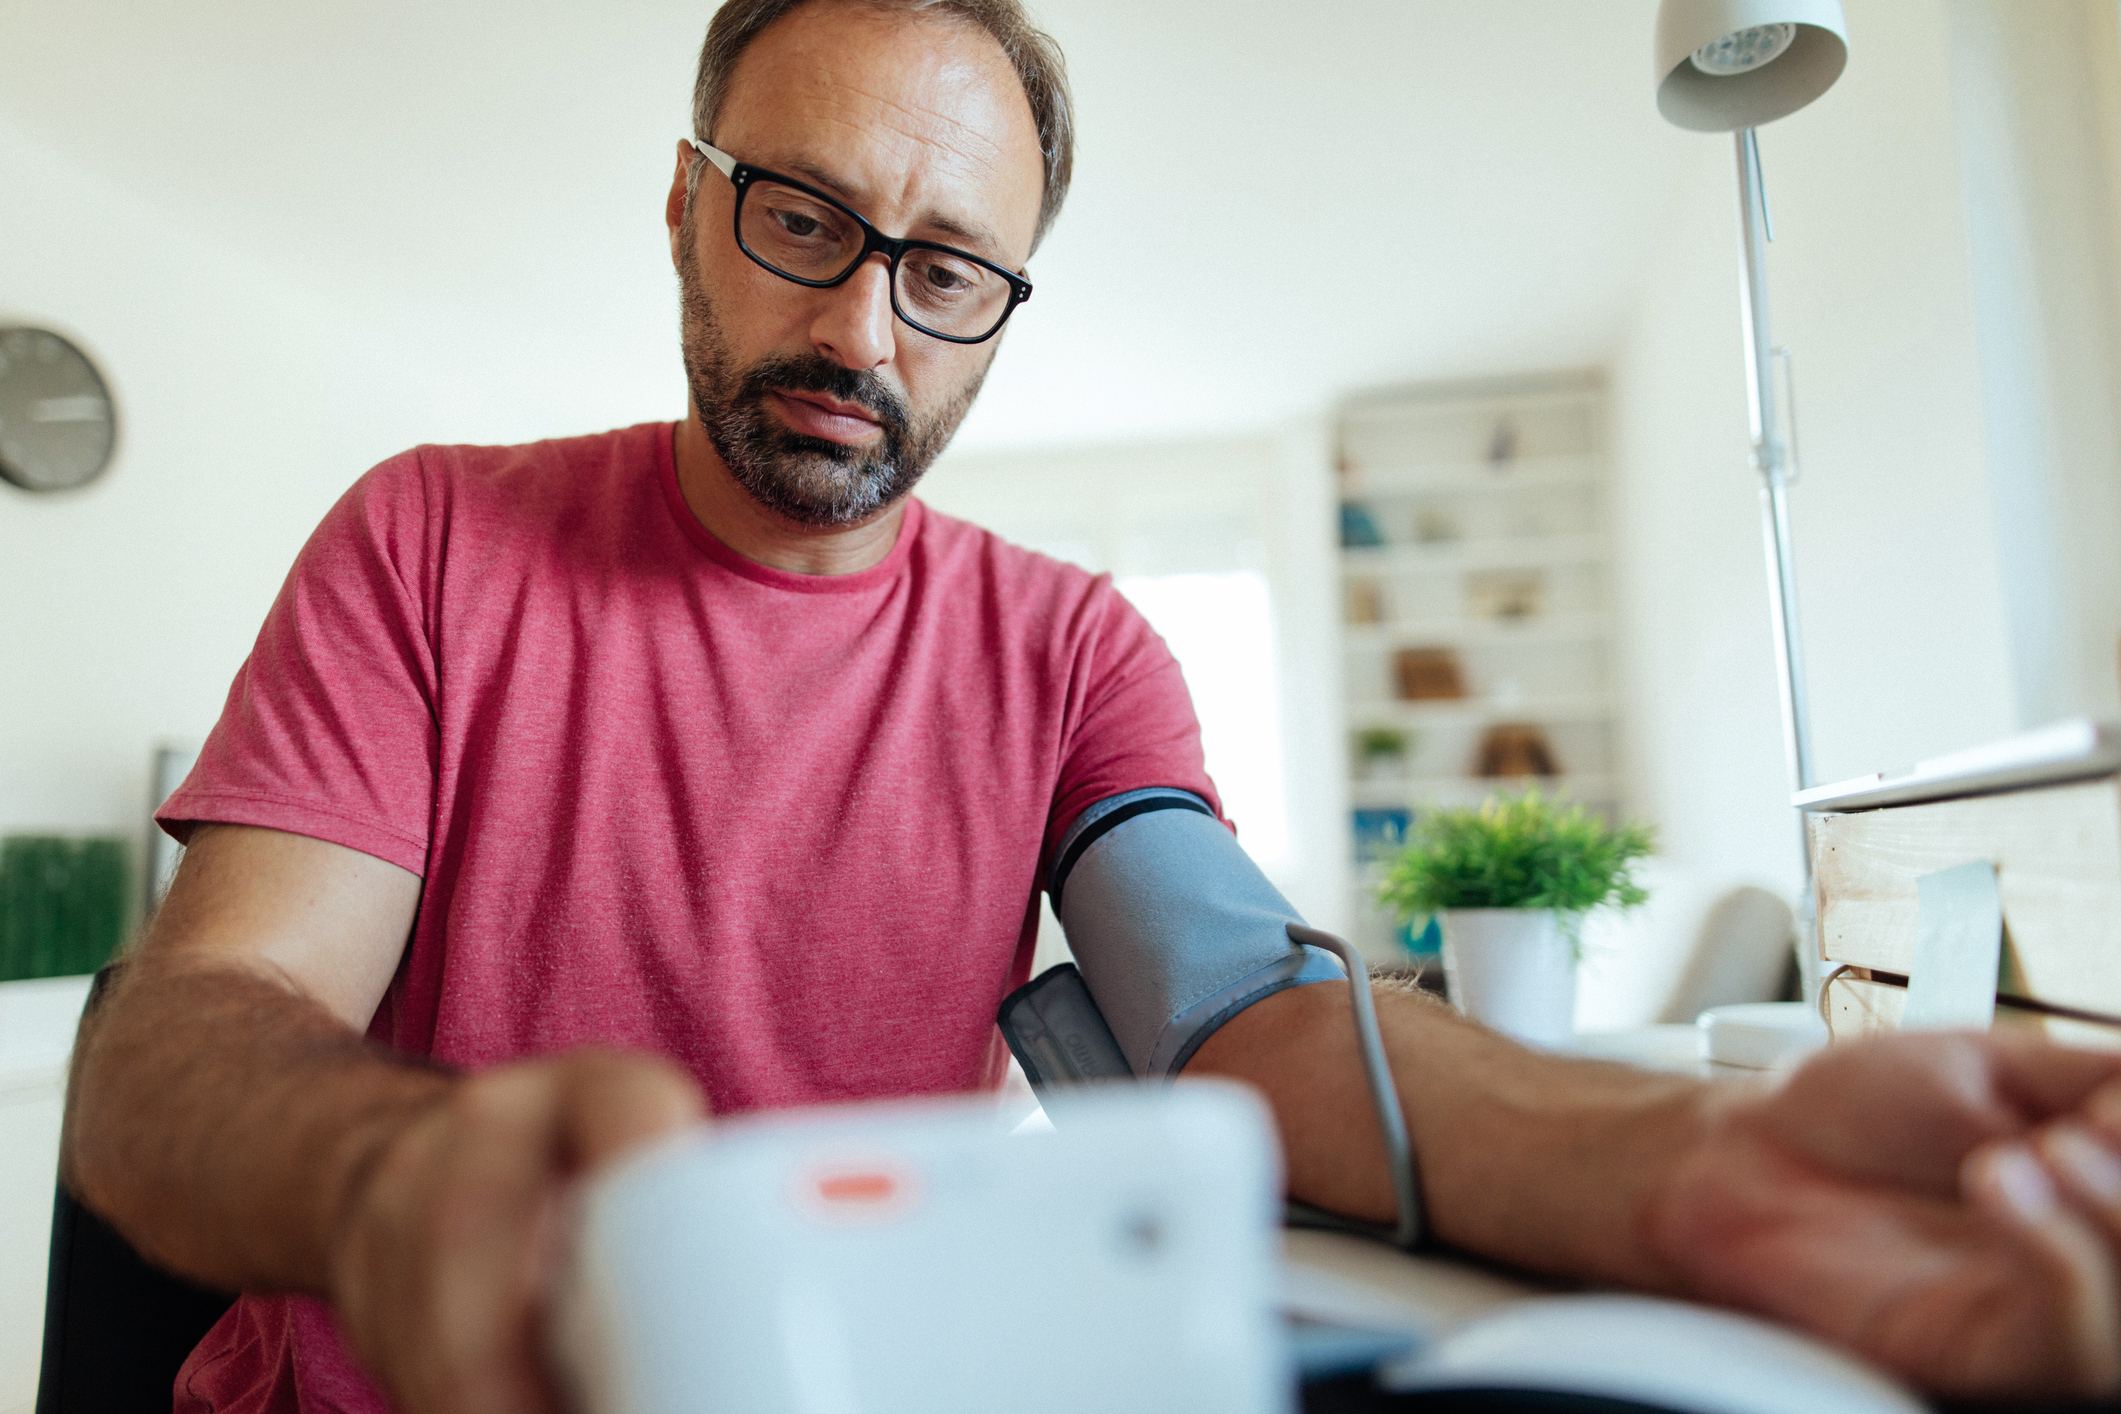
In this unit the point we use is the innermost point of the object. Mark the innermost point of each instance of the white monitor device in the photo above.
(911, 1258)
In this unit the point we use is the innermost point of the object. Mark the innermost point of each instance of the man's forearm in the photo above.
(222, 1121)
(1538, 1160)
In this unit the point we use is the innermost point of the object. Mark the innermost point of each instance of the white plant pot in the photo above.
(1512, 969)
(1384, 766)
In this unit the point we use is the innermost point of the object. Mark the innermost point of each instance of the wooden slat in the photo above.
(2057, 852)
(1857, 1006)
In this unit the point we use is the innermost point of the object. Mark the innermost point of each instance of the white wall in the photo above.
(249, 397)
(2034, 89)
(1955, 520)
(244, 408)
(1702, 735)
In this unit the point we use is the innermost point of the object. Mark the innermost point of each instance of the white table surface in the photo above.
(1673, 1048)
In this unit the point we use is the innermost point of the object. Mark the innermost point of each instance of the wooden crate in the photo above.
(1856, 1006)
(2057, 852)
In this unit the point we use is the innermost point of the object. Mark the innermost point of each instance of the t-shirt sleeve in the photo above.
(1132, 724)
(329, 729)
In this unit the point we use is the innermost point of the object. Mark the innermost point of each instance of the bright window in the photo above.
(1220, 627)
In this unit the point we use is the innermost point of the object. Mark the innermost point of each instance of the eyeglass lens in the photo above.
(792, 232)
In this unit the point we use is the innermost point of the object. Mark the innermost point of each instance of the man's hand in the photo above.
(445, 1256)
(1948, 1205)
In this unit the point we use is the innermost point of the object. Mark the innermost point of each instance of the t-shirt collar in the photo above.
(704, 539)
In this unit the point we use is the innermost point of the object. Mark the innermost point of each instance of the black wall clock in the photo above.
(57, 428)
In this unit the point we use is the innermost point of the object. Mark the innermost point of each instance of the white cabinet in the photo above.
(37, 1021)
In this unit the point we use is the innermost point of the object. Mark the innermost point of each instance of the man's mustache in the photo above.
(811, 373)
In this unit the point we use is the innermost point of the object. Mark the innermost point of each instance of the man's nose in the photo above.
(854, 329)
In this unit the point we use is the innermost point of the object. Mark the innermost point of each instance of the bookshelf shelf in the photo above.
(1535, 629)
(1481, 552)
(1471, 790)
(1474, 478)
(1476, 711)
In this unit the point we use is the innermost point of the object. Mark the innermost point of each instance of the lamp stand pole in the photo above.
(1772, 459)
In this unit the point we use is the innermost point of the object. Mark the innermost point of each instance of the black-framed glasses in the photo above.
(802, 234)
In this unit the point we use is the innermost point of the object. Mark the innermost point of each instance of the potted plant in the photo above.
(1512, 881)
(1381, 752)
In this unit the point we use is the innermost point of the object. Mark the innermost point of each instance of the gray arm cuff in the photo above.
(1173, 926)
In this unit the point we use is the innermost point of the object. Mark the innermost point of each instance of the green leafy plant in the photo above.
(1520, 851)
(1381, 741)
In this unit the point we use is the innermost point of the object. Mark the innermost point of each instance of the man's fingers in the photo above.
(2102, 1113)
(445, 1262)
(486, 1284)
(2046, 1080)
(1901, 1109)
(613, 1103)
(2088, 1169)
(2011, 1184)
(1908, 1109)
(450, 1317)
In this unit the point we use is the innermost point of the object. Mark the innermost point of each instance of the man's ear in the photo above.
(674, 203)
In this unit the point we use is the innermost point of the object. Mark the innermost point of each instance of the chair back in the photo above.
(116, 1329)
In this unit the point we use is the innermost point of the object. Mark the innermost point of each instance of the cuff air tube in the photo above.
(1174, 928)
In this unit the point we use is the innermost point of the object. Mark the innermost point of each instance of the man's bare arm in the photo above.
(223, 1102)
(227, 1117)
(1524, 1157)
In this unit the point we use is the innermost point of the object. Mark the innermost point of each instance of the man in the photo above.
(709, 745)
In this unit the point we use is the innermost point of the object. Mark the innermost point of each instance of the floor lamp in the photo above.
(1728, 66)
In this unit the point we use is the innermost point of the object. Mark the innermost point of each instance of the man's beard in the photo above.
(809, 480)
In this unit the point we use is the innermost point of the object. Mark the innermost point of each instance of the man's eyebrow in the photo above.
(974, 237)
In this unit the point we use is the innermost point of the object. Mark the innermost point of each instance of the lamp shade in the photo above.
(1729, 64)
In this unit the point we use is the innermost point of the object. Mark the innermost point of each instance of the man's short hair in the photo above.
(1037, 60)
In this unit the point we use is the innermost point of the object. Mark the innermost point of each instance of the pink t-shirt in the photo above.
(785, 829)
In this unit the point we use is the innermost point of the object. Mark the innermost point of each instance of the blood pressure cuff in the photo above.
(1174, 930)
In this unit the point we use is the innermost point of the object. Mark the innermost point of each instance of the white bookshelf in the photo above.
(1504, 562)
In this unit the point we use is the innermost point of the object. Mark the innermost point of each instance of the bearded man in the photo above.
(605, 782)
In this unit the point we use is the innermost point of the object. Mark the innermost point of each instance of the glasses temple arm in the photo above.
(723, 162)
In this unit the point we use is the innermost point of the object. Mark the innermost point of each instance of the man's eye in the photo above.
(943, 278)
(795, 223)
